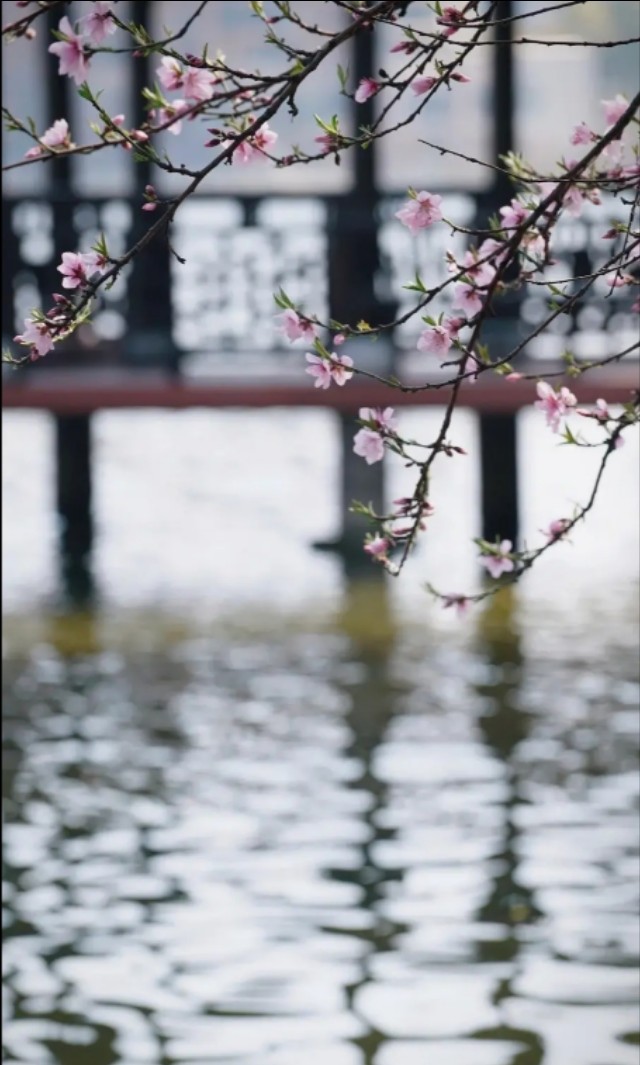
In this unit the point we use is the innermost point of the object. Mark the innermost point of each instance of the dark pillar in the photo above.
(498, 436)
(354, 264)
(498, 460)
(149, 339)
(73, 503)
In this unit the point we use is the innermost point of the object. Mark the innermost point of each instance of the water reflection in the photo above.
(341, 838)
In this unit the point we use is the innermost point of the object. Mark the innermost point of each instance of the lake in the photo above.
(257, 814)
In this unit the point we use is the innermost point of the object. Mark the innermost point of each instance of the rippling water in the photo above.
(256, 816)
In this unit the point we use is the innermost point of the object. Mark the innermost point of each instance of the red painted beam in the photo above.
(79, 392)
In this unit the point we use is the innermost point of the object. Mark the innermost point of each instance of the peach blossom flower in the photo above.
(499, 562)
(71, 52)
(421, 211)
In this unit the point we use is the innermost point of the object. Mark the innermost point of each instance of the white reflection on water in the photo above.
(256, 817)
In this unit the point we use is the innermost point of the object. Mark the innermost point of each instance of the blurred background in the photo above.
(262, 806)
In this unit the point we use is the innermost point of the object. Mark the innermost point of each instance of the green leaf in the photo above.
(323, 125)
(417, 285)
(283, 300)
(100, 246)
(320, 348)
(343, 76)
(84, 92)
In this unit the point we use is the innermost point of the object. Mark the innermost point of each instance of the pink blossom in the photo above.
(404, 46)
(328, 141)
(170, 74)
(368, 442)
(573, 201)
(460, 602)
(421, 212)
(253, 147)
(369, 445)
(57, 136)
(198, 84)
(341, 371)
(404, 506)
(423, 84)
(514, 214)
(499, 562)
(377, 547)
(619, 441)
(515, 376)
(467, 299)
(264, 138)
(171, 113)
(296, 328)
(99, 23)
(582, 134)
(77, 268)
(495, 249)
(557, 529)
(601, 412)
(320, 369)
(37, 335)
(614, 109)
(336, 368)
(244, 153)
(436, 340)
(451, 17)
(382, 419)
(620, 280)
(149, 206)
(71, 53)
(367, 88)
(482, 273)
(339, 339)
(462, 78)
(555, 405)
(118, 120)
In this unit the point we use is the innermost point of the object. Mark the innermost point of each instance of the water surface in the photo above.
(255, 815)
